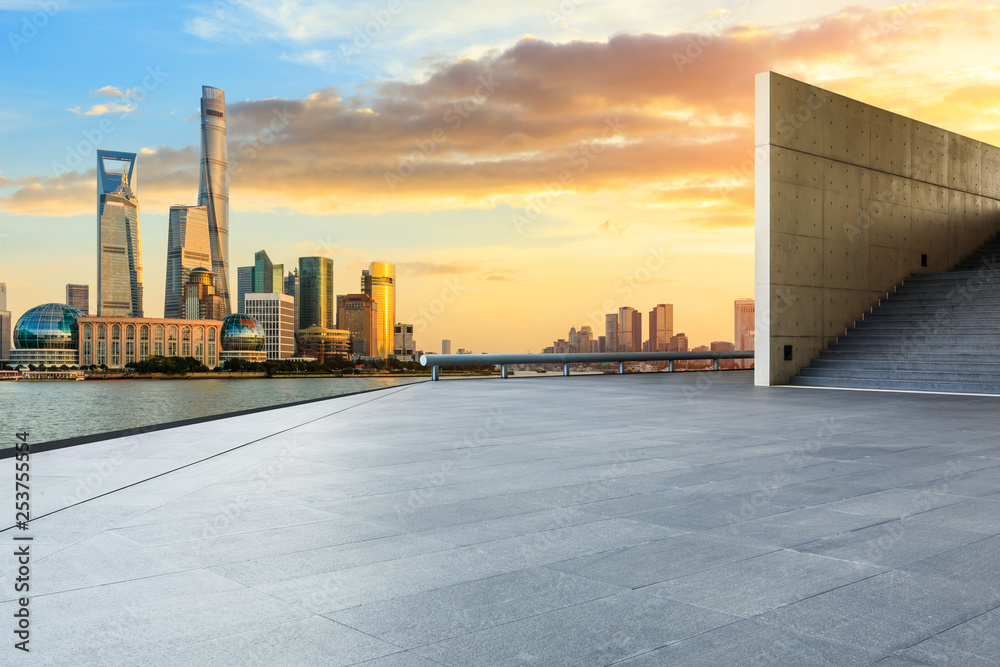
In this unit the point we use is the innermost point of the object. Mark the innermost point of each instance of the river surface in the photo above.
(57, 410)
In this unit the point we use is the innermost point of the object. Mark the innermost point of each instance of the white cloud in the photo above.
(101, 109)
(106, 91)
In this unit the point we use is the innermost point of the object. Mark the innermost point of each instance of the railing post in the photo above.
(670, 367)
(434, 373)
(715, 365)
(565, 370)
(621, 368)
(503, 370)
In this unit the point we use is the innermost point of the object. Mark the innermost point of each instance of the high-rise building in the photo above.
(661, 327)
(358, 313)
(574, 339)
(403, 345)
(187, 249)
(316, 304)
(678, 343)
(602, 344)
(291, 284)
(5, 334)
(274, 312)
(5, 324)
(585, 339)
(263, 273)
(119, 253)
(611, 332)
(77, 296)
(213, 188)
(200, 301)
(445, 346)
(379, 282)
(244, 285)
(629, 330)
(278, 278)
(743, 328)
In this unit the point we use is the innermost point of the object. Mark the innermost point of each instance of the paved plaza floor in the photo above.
(644, 519)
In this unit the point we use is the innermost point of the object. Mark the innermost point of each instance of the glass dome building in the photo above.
(47, 334)
(242, 337)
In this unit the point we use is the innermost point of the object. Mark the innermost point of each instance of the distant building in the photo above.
(292, 289)
(118, 341)
(629, 330)
(445, 346)
(3, 296)
(276, 315)
(585, 339)
(722, 346)
(47, 334)
(5, 334)
(77, 296)
(316, 303)
(119, 253)
(242, 338)
(200, 300)
(188, 248)
(213, 185)
(678, 343)
(611, 332)
(743, 328)
(358, 313)
(602, 344)
(244, 285)
(404, 347)
(379, 282)
(263, 273)
(323, 344)
(661, 327)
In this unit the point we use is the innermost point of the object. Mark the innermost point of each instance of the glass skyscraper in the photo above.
(244, 286)
(315, 297)
(188, 248)
(379, 282)
(77, 296)
(119, 254)
(213, 189)
(263, 274)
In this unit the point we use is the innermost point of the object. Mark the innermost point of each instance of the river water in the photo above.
(57, 410)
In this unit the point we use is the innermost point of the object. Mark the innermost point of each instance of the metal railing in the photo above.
(435, 361)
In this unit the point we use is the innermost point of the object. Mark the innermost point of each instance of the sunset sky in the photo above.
(532, 162)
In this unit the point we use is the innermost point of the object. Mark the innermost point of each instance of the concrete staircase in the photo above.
(936, 332)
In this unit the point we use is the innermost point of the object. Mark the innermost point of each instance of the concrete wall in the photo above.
(848, 197)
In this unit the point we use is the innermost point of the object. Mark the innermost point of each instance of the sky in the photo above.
(528, 166)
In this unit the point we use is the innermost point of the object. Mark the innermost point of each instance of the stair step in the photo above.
(902, 375)
(906, 385)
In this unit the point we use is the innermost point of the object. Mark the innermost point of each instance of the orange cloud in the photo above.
(628, 114)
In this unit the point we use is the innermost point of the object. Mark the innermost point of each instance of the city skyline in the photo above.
(333, 151)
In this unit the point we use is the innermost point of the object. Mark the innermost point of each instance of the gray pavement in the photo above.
(657, 519)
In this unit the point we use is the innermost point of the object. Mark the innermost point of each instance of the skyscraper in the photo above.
(743, 327)
(445, 346)
(263, 273)
(292, 289)
(244, 286)
(358, 313)
(661, 327)
(316, 304)
(187, 249)
(611, 332)
(585, 339)
(629, 330)
(119, 254)
(5, 324)
(77, 296)
(379, 282)
(213, 189)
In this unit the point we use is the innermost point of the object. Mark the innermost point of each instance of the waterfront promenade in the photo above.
(643, 519)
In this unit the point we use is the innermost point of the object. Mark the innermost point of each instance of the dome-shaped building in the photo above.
(242, 337)
(47, 334)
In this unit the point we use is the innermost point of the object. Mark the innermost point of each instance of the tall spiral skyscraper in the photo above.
(213, 189)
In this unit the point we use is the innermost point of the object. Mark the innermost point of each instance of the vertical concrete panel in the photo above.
(849, 199)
